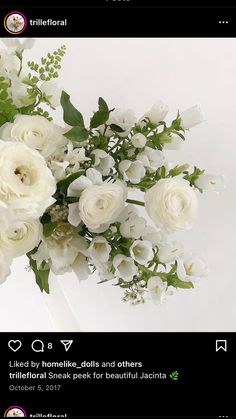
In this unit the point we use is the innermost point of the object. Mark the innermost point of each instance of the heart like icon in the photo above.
(14, 345)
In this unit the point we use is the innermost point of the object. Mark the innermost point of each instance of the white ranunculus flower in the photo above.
(124, 119)
(151, 159)
(132, 171)
(169, 252)
(21, 239)
(157, 289)
(157, 113)
(211, 182)
(191, 268)
(125, 267)
(36, 132)
(172, 204)
(141, 251)
(26, 184)
(18, 44)
(103, 161)
(52, 92)
(100, 205)
(191, 117)
(134, 227)
(99, 249)
(139, 140)
(5, 263)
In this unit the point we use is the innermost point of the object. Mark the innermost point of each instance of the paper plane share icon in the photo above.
(67, 344)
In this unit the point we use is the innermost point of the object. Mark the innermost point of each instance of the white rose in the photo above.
(26, 184)
(139, 140)
(172, 204)
(151, 159)
(125, 267)
(191, 117)
(157, 113)
(124, 119)
(99, 249)
(20, 240)
(134, 227)
(141, 251)
(157, 289)
(36, 132)
(5, 263)
(103, 162)
(211, 182)
(52, 92)
(169, 252)
(132, 171)
(191, 268)
(100, 205)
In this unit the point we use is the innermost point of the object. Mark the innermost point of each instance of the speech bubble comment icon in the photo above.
(37, 345)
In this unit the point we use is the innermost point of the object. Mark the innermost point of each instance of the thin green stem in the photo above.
(135, 202)
(116, 144)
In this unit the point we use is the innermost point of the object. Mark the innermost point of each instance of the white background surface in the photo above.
(135, 73)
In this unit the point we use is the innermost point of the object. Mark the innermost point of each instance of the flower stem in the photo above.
(135, 202)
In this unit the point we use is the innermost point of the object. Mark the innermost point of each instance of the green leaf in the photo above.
(116, 128)
(102, 105)
(176, 282)
(99, 118)
(41, 275)
(77, 134)
(71, 115)
(64, 184)
(3, 119)
(49, 228)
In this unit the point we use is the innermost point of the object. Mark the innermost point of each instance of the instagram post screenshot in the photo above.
(117, 210)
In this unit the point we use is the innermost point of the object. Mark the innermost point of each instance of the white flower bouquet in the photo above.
(67, 192)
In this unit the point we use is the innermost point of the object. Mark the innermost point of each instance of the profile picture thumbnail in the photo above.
(15, 412)
(15, 23)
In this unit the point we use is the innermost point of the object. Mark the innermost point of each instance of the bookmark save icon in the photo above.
(67, 344)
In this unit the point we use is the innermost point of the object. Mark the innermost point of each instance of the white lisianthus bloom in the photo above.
(128, 211)
(61, 249)
(134, 227)
(103, 161)
(20, 240)
(172, 204)
(191, 117)
(141, 251)
(100, 205)
(19, 94)
(174, 144)
(157, 289)
(132, 171)
(26, 184)
(36, 132)
(52, 92)
(157, 113)
(211, 182)
(99, 249)
(9, 64)
(5, 263)
(124, 119)
(169, 252)
(154, 236)
(191, 268)
(125, 267)
(18, 44)
(139, 140)
(151, 159)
